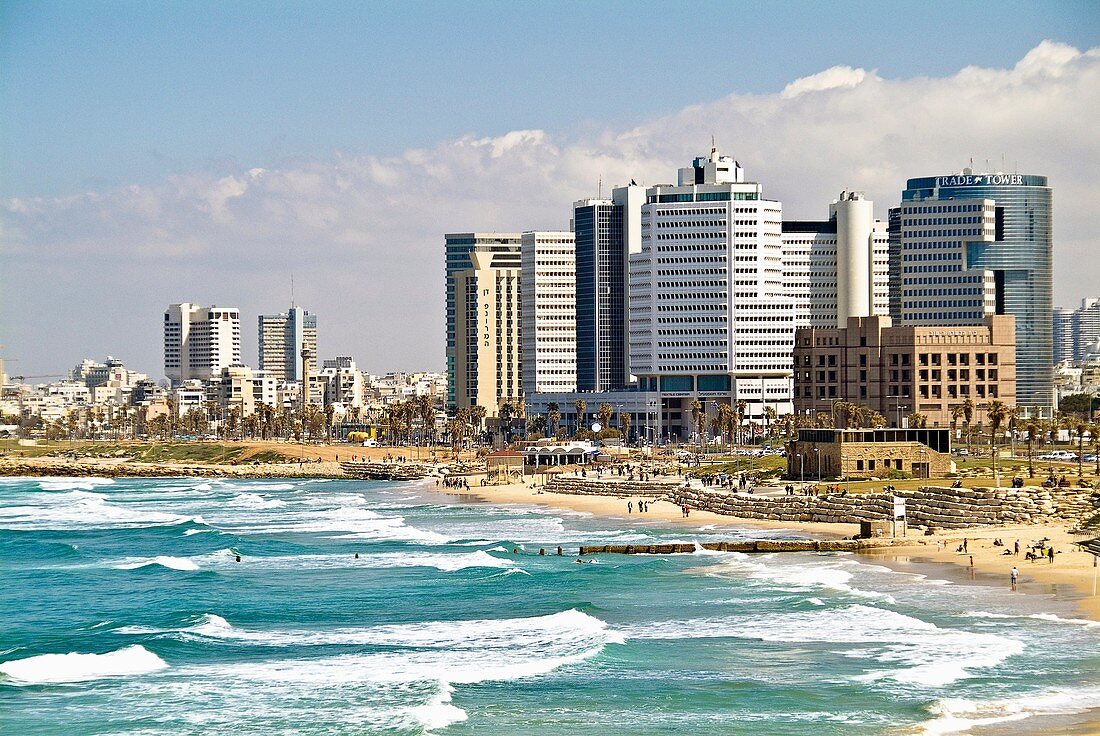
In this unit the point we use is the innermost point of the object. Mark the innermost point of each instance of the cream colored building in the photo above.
(487, 363)
(548, 285)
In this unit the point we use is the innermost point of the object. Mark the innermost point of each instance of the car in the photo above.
(960, 452)
(1060, 455)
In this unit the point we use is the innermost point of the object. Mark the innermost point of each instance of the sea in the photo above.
(198, 606)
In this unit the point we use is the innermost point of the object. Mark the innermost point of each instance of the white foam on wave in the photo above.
(443, 561)
(73, 484)
(959, 715)
(921, 653)
(75, 667)
(172, 563)
(81, 509)
(255, 501)
(357, 522)
(190, 532)
(1050, 617)
(826, 572)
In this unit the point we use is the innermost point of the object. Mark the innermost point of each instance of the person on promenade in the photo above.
(1014, 576)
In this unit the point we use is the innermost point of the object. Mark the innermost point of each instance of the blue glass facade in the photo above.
(601, 297)
(1021, 258)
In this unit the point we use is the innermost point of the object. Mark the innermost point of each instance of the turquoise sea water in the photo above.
(124, 610)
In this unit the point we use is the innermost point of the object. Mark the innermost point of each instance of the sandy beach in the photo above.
(1069, 577)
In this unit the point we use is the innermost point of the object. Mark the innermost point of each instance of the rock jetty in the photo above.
(931, 506)
(385, 471)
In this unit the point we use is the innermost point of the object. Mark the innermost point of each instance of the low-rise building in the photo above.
(898, 370)
(869, 453)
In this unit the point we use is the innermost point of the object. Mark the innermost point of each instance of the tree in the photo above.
(998, 411)
(506, 411)
(581, 406)
(1032, 427)
(918, 420)
(1079, 404)
(956, 412)
(742, 408)
(605, 412)
(425, 408)
(726, 422)
(624, 424)
(697, 419)
(770, 415)
(968, 417)
(553, 414)
(536, 425)
(477, 417)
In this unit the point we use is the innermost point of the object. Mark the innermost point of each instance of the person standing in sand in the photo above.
(1014, 576)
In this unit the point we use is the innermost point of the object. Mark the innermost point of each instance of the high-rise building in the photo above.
(548, 311)
(282, 337)
(484, 366)
(200, 341)
(710, 317)
(837, 268)
(459, 247)
(975, 244)
(607, 232)
(1076, 330)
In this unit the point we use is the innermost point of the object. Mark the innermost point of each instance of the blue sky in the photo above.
(100, 94)
(153, 153)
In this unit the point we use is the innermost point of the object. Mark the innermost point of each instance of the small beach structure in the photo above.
(867, 453)
(504, 466)
(547, 453)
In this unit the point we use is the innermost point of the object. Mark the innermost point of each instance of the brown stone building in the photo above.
(869, 453)
(904, 369)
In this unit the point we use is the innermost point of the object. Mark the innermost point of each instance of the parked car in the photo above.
(1060, 455)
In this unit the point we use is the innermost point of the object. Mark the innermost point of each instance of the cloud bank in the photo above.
(90, 273)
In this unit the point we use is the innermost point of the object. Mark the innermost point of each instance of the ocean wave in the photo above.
(959, 715)
(358, 523)
(73, 484)
(172, 563)
(1050, 617)
(443, 561)
(81, 509)
(75, 667)
(255, 501)
(922, 653)
(823, 572)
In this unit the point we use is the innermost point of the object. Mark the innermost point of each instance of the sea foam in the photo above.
(172, 563)
(75, 667)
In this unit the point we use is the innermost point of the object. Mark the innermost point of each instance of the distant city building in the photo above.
(459, 250)
(1076, 330)
(200, 341)
(343, 383)
(486, 365)
(710, 316)
(837, 268)
(282, 337)
(976, 244)
(242, 388)
(899, 369)
(548, 311)
(607, 232)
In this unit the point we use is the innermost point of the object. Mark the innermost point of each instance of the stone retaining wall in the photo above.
(385, 471)
(39, 467)
(943, 508)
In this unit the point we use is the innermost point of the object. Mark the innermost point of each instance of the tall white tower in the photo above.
(855, 245)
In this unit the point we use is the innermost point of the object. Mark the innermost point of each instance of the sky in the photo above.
(158, 152)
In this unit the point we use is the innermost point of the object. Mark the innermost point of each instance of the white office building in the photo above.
(710, 316)
(200, 341)
(282, 337)
(548, 311)
(837, 268)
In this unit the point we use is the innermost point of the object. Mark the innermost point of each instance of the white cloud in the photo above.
(90, 273)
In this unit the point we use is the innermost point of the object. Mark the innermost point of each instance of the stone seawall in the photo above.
(39, 467)
(385, 471)
(939, 507)
(749, 545)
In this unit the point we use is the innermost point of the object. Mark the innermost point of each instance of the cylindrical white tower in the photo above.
(855, 286)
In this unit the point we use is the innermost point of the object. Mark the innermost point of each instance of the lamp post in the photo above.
(817, 461)
(801, 469)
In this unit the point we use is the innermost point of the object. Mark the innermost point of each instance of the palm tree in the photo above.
(553, 413)
(581, 406)
(876, 420)
(1081, 426)
(425, 408)
(506, 411)
(1032, 427)
(605, 412)
(624, 424)
(997, 413)
(968, 417)
(742, 407)
(918, 420)
(697, 419)
(770, 415)
(1094, 432)
(725, 421)
(477, 417)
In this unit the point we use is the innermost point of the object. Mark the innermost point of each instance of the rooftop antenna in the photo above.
(599, 187)
(1003, 166)
(292, 291)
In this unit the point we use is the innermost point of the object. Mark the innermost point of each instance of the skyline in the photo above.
(359, 223)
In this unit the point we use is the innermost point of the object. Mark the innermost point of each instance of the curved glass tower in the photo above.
(1017, 256)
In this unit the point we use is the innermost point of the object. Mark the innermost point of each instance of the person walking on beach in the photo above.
(964, 544)
(1014, 576)
(1050, 555)
(629, 507)
(1016, 548)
